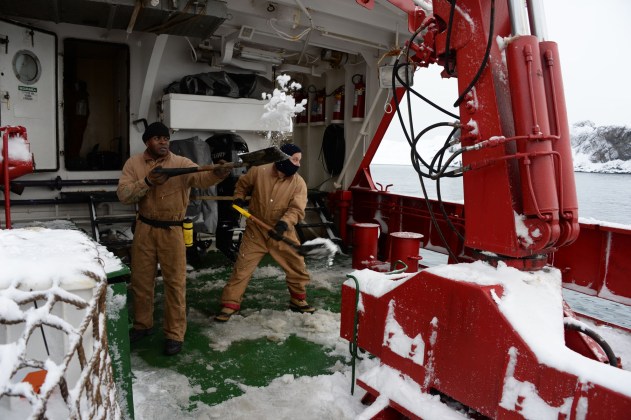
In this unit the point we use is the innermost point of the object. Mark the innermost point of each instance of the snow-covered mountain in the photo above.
(605, 149)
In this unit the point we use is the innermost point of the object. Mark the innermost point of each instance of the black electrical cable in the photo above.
(41, 327)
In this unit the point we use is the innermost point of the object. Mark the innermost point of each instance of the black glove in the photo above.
(154, 178)
(279, 229)
(240, 202)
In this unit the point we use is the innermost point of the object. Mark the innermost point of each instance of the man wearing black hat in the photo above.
(279, 198)
(158, 237)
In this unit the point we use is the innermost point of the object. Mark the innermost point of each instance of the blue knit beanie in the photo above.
(155, 129)
(285, 166)
(290, 149)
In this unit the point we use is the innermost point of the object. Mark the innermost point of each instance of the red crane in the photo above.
(456, 332)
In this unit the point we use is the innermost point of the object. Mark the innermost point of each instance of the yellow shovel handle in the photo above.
(241, 210)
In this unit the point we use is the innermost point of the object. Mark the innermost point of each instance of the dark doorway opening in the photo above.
(96, 103)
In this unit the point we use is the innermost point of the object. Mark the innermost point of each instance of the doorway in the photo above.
(96, 104)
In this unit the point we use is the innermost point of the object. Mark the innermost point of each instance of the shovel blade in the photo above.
(263, 156)
(319, 248)
(314, 251)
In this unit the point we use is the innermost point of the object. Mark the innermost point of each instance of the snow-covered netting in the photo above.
(54, 360)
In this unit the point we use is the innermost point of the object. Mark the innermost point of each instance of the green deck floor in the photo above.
(218, 373)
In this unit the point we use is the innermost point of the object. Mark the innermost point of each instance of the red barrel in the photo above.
(365, 239)
(405, 246)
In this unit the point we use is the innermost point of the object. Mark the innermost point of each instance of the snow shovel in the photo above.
(308, 250)
(257, 158)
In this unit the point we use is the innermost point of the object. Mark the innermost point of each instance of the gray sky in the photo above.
(593, 39)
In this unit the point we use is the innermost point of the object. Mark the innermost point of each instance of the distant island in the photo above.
(603, 149)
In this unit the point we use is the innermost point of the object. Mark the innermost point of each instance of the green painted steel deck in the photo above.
(217, 373)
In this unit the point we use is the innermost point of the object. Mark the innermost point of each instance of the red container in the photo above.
(404, 246)
(365, 239)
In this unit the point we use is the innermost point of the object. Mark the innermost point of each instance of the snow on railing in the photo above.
(54, 360)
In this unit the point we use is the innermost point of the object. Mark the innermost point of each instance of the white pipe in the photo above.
(518, 18)
(538, 19)
(152, 73)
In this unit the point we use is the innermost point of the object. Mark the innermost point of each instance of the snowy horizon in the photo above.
(394, 151)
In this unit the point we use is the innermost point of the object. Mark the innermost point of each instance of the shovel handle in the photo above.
(182, 171)
(265, 226)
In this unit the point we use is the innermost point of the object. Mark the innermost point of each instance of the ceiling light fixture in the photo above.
(249, 53)
(354, 40)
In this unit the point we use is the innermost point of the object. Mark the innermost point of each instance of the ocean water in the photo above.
(603, 197)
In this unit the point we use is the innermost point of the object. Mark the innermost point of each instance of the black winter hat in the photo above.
(156, 129)
(290, 149)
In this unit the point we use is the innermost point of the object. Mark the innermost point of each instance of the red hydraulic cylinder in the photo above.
(539, 201)
(404, 246)
(365, 240)
(557, 112)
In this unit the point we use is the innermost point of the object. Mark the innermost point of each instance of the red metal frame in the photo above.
(597, 263)
(12, 169)
(460, 315)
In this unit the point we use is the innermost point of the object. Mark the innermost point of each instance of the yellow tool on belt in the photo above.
(306, 250)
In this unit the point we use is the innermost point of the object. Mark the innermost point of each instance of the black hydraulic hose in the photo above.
(426, 196)
(449, 68)
(484, 60)
(411, 89)
(438, 194)
(613, 360)
(414, 155)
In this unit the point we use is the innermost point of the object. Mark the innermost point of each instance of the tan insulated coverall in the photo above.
(166, 202)
(273, 199)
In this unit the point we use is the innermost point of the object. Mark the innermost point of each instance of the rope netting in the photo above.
(54, 360)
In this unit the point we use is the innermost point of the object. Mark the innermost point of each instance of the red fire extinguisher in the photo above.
(317, 107)
(359, 97)
(338, 105)
(301, 117)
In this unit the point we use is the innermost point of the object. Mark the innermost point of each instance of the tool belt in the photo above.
(164, 224)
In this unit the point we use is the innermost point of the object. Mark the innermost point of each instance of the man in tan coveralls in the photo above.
(158, 237)
(279, 198)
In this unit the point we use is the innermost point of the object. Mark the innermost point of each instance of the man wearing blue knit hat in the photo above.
(279, 198)
(159, 238)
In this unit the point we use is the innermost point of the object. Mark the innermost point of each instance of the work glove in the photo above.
(154, 178)
(222, 173)
(240, 202)
(279, 228)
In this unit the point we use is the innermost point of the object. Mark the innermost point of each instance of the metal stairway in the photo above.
(318, 220)
(103, 224)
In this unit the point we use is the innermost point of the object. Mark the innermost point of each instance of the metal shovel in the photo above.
(311, 250)
(257, 158)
